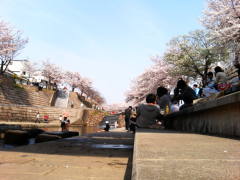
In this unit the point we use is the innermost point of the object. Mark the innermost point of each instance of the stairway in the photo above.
(62, 99)
(110, 119)
(24, 97)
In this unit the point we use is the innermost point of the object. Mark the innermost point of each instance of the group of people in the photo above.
(152, 112)
(220, 78)
(46, 118)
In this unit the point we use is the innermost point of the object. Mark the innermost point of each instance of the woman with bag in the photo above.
(220, 83)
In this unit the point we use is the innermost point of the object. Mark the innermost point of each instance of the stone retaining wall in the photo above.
(220, 116)
(21, 113)
(92, 117)
(7, 81)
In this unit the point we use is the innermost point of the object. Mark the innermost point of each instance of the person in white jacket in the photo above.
(221, 77)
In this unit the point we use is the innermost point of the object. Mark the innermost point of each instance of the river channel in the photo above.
(83, 130)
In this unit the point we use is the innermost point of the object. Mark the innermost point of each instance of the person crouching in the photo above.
(106, 128)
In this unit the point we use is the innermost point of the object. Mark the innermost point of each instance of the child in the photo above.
(64, 125)
(37, 118)
(68, 124)
(116, 124)
(60, 118)
(46, 119)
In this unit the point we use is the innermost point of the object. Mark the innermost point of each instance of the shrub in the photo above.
(18, 86)
(15, 76)
(87, 104)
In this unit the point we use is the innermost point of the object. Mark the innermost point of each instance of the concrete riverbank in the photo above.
(170, 154)
(73, 158)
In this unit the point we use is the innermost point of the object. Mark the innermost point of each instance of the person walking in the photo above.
(37, 118)
(72, 103)
(41, 86)
(128, 113)
(60, 118)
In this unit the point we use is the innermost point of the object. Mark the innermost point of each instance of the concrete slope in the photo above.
(62, 99)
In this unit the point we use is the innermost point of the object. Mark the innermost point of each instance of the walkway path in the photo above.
(70, 159)
(164, 154)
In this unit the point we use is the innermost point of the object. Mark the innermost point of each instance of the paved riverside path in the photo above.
(70, 159)
(166, 154)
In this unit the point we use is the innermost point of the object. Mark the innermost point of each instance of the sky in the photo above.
(109, 41)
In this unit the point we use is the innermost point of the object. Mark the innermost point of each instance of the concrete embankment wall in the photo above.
(22, 113)
(220, 116)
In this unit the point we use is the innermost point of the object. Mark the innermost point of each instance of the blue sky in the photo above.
(109, 41)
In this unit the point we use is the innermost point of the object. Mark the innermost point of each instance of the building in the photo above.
(16, 67)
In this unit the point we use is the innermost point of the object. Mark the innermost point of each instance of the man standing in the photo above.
(72, 103)
(128, 113)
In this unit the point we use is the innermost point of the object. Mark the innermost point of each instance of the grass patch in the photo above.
(48, 90)
(18, 86)
(95, 112)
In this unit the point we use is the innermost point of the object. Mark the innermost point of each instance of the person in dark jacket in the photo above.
(128, 113)
(187, 94)
(148, 113)
(107, 126)
(106, 129)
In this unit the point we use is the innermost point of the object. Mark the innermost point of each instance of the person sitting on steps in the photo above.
(187, 94)
(148, 113)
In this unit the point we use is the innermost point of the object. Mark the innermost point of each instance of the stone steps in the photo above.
(18, 113)
(25, 97)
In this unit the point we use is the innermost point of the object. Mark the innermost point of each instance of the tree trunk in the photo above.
(1, 71)
(49, 83)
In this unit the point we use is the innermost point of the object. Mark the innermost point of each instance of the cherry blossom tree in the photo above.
(85, 85)
(52, 72)
(73, 79)
(222, 18)
(92, 93)
(194, 54)
(118, 108)
(100, 99)
(10, 45)
(148, 82)
(30, 68)
(155, 76)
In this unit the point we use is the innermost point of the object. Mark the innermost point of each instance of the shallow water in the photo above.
(81, 129)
